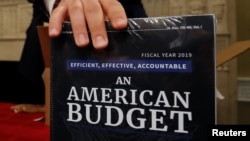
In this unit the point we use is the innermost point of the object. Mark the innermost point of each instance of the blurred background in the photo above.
(233, 25)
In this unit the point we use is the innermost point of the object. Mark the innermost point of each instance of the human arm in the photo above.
(91, 14)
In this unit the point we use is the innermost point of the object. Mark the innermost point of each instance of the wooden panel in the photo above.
(45, 45)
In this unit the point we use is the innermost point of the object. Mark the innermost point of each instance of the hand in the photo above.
(91, 13)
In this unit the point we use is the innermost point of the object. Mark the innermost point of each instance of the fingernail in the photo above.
(120, 21)
(82, 40)
(53, 31)
(100, 42)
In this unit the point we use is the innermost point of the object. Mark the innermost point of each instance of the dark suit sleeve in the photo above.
(133, 8)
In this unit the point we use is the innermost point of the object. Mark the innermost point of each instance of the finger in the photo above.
(57, 17)
(78, 23)
(116, 14)
(95, 20)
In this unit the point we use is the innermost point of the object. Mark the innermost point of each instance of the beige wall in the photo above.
(15, 16)
(243, 33)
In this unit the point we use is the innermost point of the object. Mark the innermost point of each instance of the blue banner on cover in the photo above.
(131, 65)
